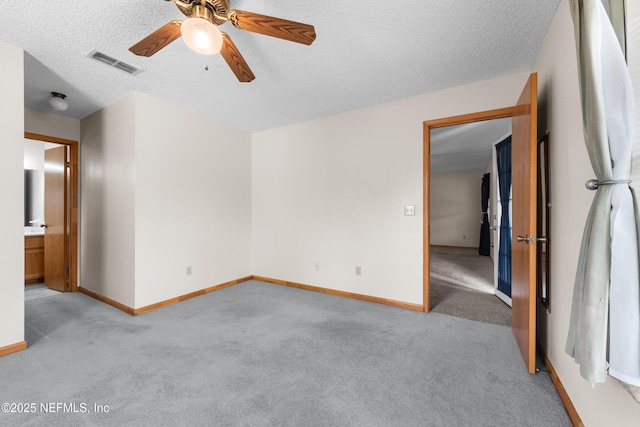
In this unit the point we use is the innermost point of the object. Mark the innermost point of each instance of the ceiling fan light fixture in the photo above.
(200, 33)
(57, 101)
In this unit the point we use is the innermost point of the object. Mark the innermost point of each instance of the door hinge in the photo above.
(68, 164)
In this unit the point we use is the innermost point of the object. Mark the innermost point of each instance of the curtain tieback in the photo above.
(593, 184)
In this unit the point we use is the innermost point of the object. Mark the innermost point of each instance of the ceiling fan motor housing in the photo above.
(217, 11)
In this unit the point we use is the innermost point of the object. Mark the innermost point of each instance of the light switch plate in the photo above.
(409, 210)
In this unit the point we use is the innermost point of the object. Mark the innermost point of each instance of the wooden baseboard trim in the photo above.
(107, 300)
(564, 396)
(170, 301)
(455, 247)
(385, 301)
(185, 297)
(148, 308)
(13, 348)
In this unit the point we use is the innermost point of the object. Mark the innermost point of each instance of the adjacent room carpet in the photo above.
(258, 354)
(38, 290)
(462, 286)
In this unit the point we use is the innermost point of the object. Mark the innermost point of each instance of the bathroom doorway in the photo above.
(51, 236)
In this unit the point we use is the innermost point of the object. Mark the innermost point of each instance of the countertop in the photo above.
(33, 231)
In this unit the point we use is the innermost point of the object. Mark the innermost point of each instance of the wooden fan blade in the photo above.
(158, 39)
(274, 27)
(236, 62)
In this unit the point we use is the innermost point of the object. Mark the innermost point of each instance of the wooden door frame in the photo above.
(426, 180)
(73, 202)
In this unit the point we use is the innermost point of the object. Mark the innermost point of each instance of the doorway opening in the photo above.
(428, 126)
(465, 217)
(64, 266)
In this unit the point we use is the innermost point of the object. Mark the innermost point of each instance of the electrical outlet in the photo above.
(409, 210)
(317, 266)
(358, 270)
(188, 270)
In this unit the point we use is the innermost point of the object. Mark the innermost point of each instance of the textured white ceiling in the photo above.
(466, 147)
(367, 52)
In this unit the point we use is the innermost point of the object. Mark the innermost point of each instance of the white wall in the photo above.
(560, 112)
(107, 194)
(160, 193)
(332, 191)
(456, 208)
(192, 204)
(50, 124)
(12, 190)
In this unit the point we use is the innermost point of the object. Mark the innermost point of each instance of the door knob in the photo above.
(531, 239)
(43, 225)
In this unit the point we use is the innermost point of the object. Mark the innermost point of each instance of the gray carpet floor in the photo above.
(462, 267)
(38, 290)
(258, 354)
(461, 284)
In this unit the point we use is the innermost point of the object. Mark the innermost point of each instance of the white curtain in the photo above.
(604, 330)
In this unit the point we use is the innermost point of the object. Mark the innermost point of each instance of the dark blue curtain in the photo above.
(503, 152)
(484, 248)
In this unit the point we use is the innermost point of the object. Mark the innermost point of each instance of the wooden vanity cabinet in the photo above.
(33, 259)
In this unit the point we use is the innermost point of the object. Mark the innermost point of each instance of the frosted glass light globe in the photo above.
(201, 36)
(57, 101)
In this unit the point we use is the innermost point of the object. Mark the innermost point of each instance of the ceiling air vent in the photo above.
(113, 62)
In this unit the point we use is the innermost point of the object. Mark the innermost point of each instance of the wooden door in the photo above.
(523, 249)
(55, 208)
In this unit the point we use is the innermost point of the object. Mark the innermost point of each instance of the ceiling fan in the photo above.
(200, 32)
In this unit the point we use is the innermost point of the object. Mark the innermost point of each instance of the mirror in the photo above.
(33, 197)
